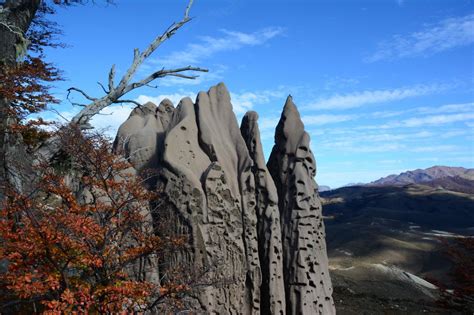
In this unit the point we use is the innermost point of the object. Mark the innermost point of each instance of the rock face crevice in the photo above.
(257, 231)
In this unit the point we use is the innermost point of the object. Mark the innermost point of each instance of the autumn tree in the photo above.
(84, 243)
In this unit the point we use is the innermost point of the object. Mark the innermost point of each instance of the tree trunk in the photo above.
(15, 19)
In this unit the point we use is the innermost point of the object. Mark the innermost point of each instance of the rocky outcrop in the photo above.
(216, 189)
(305, 264)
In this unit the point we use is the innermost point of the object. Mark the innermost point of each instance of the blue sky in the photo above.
(382, 86)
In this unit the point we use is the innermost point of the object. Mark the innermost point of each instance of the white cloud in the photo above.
(424, 121)
(352, 146)
(245, 101)
(359, 99)
(436, 120)
(454, 133)
(447, 34)
(450, 108)
(387, 114)
(111, 118)
(209, 46)
(372, 142)
(326, 119)
(337, 83)
(388, 147)
(393, 136)
(437, 148)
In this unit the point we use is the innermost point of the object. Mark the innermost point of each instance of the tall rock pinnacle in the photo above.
(305, 263)
(268, 224)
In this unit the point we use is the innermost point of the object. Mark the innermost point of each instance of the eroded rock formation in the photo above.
(308, 287)
(243, 229)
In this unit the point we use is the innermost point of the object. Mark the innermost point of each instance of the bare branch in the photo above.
(191, 77)
(114, 93)
(128, 101)
(82, 92)
(111, 78)
(163, 73)
(59, 114)
(103, 88)
(188, 8)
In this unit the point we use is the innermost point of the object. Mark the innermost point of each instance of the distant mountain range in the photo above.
(458, 179)
(425, 175)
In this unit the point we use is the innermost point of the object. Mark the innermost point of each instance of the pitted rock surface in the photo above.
(292, 165)
(224, 250)
(221, 139)
(268, 226)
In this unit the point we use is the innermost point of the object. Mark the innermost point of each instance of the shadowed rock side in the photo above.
(216, 188)
(200, 191)
(268, 226)
(305, 263)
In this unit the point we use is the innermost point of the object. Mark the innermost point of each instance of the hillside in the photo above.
(383, 241)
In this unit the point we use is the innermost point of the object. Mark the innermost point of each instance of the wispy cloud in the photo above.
(435, 148)
(358, 99)
(379, 141)
(436, 120)
(449, 108)
(444, 35)
(325, 119)
(211, 45)
(245, 101)
(424, 121)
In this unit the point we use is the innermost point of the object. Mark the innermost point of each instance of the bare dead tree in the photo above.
(115, 92)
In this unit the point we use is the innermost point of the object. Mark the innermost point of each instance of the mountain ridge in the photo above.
(420, 176)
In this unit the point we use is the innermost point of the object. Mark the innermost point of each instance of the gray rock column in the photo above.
(307, 283)
(268, 225)
(220, 138)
